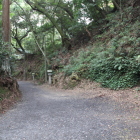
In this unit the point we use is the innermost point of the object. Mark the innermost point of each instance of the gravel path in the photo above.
(45, 115)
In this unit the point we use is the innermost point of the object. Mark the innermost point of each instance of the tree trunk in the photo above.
(66, 43)
(6, 34)
(6, 21)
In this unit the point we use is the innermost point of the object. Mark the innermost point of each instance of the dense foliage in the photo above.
(52, 27)
(105, 68)
(62, 23)
(113, 60)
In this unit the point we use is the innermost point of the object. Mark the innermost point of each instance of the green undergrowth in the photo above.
(113, 59)
(111, 71)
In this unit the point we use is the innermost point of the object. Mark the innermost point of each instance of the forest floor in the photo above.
(87, 89)
(50, 113)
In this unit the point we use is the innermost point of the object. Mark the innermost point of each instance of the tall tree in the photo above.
(6, 21)
(6, 34)
(44, 9)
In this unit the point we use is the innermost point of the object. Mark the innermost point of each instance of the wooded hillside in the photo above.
(97, 40)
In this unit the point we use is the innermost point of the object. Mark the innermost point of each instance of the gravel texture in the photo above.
(45, 115)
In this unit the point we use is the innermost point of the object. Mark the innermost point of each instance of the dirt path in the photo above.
(47, 115)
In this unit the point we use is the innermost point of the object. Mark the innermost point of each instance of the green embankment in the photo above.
(113, 58)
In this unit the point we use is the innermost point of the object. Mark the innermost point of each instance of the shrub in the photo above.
(111, 71)
(116, 73)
